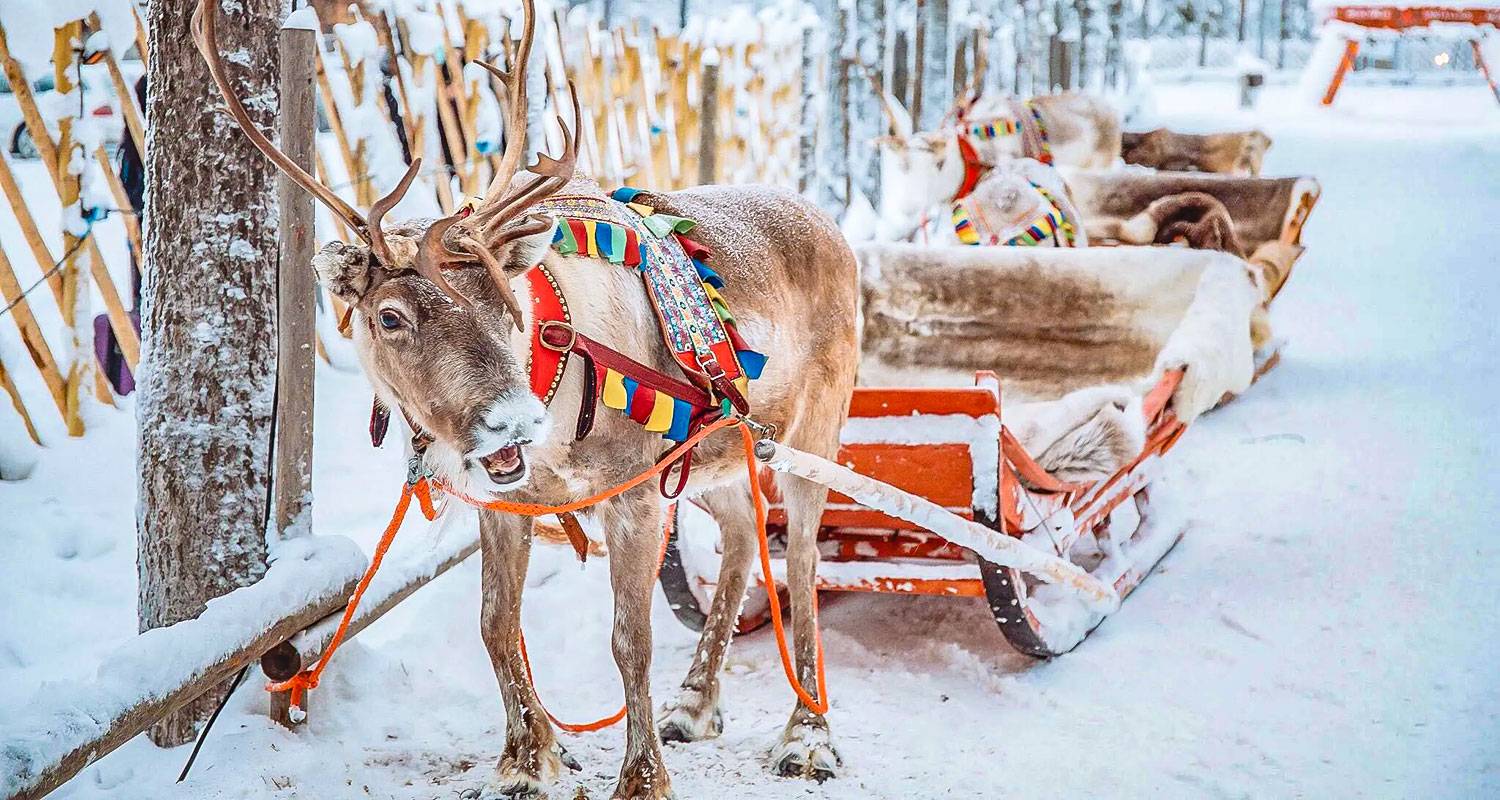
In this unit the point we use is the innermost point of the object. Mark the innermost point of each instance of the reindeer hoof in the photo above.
(511, 790)
(806, 751)
(690, 719)
(525, 770)
(644, 779)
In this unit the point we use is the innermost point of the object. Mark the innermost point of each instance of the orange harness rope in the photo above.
(419, 485)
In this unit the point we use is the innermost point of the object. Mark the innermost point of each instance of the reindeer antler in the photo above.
(893, 122)
(489, 226)
(206, 38)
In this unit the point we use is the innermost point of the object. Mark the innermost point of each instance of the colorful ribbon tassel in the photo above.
(658, 411)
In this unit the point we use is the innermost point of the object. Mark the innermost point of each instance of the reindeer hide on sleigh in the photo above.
(1076, 336)
(1116, 205)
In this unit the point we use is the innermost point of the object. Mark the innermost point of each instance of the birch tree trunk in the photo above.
(867, 121)
(937, 72)
(835, 196)
(208, 328)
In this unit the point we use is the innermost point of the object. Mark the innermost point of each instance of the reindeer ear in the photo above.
(345, 270)
(528, 251)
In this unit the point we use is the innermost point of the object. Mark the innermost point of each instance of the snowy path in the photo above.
(1326, 629)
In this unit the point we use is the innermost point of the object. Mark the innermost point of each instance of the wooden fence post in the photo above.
(708, 119)
(75, 286)
(295, 289)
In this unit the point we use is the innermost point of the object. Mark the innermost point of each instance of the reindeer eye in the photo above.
(390, 320)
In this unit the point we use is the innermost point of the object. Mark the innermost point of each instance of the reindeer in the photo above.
(1080, 131)
(442, 321)
(1233, 153)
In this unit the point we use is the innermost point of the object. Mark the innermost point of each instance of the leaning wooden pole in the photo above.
(74, 281)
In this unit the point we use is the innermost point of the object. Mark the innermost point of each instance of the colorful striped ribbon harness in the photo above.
(970, 223)
(695, 322)
(1025, 121)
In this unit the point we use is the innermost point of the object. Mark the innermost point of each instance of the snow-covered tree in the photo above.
(207, 373)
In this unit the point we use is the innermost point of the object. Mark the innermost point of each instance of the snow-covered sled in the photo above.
(1060, 452)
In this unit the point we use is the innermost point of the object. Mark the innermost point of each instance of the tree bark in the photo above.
(208, 325)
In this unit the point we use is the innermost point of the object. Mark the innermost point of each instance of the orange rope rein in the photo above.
(308, 679)
(816, 705)
(538, 509)
(420, 487)
(604, 722)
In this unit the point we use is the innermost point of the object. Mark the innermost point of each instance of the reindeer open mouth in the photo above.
(506, 465)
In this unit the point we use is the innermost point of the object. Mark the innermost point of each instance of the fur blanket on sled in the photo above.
(1076, 336)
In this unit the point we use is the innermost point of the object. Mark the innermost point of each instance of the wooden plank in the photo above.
(31, 335)
(296, 287)
(352, 166)
(132, 113)
(15, 400)
(16, 77)
(29, 231)
(140, 35)
(708, 125)
(69, 186)
(119, 319)
(122, 202)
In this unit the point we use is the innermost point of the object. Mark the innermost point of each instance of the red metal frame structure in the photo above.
(1402, 18)
(949, 446)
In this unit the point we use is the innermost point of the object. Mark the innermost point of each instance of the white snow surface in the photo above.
(1327, 628)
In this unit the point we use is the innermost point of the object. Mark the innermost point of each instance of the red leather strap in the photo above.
(547, 305)
(974, 168)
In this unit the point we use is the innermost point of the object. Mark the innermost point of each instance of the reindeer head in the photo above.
(439, 331)
(917, 172)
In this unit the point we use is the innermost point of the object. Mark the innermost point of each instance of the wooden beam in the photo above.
(31, 335)
(69, 186)
(708, 128)
(122, 202)
(119, 319)
(132, 113)
(15, 400)
(29, 231)
(16, 77)
(296, 288)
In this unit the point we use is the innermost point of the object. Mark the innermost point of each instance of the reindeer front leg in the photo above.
(532, 757)
(633, 530)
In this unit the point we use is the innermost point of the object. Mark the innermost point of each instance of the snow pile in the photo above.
(153, 664)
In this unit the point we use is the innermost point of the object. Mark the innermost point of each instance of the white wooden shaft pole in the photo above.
(990, 544)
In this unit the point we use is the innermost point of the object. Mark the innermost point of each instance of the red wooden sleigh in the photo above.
(950, 446)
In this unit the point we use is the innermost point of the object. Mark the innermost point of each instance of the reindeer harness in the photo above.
(1025, 121)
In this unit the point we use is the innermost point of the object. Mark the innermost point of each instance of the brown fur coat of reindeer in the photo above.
(441, 323)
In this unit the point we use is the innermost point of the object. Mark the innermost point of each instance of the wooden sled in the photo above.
(1263, 209)
(950, 446)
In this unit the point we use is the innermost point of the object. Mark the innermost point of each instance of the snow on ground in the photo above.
(1326, 628)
